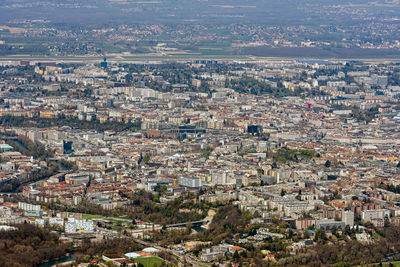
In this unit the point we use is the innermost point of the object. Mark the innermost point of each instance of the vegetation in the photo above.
(27, 147)
(284, 154)
(207, 152)
(12, 121)
(390, 187)
(85, 207)
(348, 254)
(107, 246)
(361, 115)
(69, 164)
(148, 209)
(338, 249)
(30, 245)
(150, 261)
(227, 222)
(16, 184)
(366, 115)
(328, 163)
(256, 87)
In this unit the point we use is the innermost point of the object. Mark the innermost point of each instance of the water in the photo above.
(21, 145)
(71, 257)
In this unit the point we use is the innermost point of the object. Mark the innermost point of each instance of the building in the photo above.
(28, 207)
(305, 223)
(67, 147)
(328, 224)
(369, 215)
(378, 222)
(191, 182)
(56, 221)
(5, 148)
(348, 217)
(77, 178)
(73, 225)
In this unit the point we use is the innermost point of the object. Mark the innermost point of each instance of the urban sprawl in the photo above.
(203, 162)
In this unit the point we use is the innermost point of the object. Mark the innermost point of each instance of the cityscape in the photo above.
(209, 138)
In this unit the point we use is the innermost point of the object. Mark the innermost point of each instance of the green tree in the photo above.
(146, 158)
(328, 163)
(236, 256)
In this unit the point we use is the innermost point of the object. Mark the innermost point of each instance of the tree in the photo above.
(189, 228)
(328, 163)
(146, 158)
(236, 256)
(274, 165)
(283, 192)
(307, 234)
(290, 233)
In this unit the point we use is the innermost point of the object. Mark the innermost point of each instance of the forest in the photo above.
(148, 208)
(351, 253)
(90, 250)
(30, 245)
(256, 87)
(12, 121)
(144, 206)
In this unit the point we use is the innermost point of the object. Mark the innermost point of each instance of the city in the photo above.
(204, 162)
(199, 133)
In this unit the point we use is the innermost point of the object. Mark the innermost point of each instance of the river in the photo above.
(71, 257)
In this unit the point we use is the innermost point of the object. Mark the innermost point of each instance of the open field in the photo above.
(149, 262)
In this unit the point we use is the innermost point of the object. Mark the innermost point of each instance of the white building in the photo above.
(28, 207)
(74, 225)
(192, 182)
(369, 215)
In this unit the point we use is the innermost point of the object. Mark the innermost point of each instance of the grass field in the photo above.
(114, 219)
(384, 264)
(149, 262)
(394, 264)
(90, 216)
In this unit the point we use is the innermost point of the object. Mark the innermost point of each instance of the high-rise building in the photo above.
(104, 63)
(348, 217)
(67, 147)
